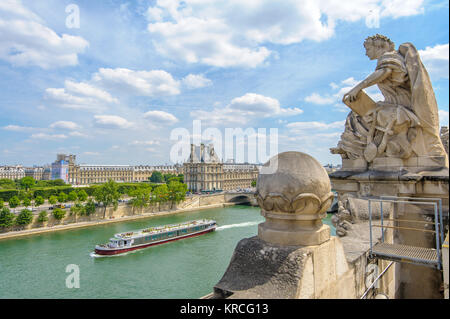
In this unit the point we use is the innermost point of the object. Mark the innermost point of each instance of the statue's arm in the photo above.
(376, 77)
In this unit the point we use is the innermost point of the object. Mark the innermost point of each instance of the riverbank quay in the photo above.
(122, 214)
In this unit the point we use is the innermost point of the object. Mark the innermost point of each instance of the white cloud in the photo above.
(152, 142)
(222, 116)
(316, 98)
(401, 8)
(77, 134)
(443, 118)
(314, 126)
(80, 96)
(144, 83)
(88, 90)
(227, 33)
(243, 108)
(252, 104)
(195, 81)
(25, 40)
(111, 121)
(91, 153)
(335, 98)
(435, 60)
(66, 125)
(18, 128)
(160, 117)
(45, 136)
(94, 95)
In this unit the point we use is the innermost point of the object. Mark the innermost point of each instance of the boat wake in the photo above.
(94, 255)
(246, 224)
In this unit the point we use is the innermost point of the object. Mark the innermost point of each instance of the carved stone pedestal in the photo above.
(276, 231)
(260, 270)
(293, 255)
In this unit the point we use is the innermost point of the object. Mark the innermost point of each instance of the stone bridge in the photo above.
(241, 198)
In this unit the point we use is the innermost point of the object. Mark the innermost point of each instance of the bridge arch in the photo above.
(239, 198)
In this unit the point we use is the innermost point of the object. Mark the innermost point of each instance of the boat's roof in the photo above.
(161, 229)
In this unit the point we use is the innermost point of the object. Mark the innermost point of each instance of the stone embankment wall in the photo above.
(123, 212)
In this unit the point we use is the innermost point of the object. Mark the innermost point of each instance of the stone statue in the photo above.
(403, 126)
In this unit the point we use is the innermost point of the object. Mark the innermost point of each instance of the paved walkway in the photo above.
(40, 230)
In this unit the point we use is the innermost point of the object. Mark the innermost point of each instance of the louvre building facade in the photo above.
(205, 172)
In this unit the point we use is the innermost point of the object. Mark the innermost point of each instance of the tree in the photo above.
(57, 182)
(2, 203)
(73, 196)
(141, 198)
(253, 183)
(26, 202)
(14, 202)
(43, 217)
(160, 194)
(59, 213)
(89, 207)
(6, 183)
(24, 218)
(27, 182)
(156, 177)
(176, 191)
(6, 218)
(77, 210)
(82, 195)
(108, 195)
(38, 201)
(53, 200)
(62, 197)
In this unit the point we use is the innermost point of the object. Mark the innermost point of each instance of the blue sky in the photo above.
(113, 88)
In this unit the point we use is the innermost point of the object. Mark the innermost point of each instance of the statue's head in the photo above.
(377, 45)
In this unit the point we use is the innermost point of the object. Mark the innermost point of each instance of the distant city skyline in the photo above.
(110, 80)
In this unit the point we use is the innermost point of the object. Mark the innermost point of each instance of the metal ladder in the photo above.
(430, 257)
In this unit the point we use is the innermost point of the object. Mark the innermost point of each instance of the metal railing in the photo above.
(386, 252)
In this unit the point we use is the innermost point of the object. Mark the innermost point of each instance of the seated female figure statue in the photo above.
(406, 123)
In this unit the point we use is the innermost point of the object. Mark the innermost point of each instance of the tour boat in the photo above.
(128, 241)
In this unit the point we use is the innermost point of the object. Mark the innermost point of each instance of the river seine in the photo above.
(35, 266)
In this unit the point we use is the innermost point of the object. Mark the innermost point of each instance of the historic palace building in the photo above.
(65, 168)
(205, 172)
(12, 172)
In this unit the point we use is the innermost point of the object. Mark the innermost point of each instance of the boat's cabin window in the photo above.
(113, 243)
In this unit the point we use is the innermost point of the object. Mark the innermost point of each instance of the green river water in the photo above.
(35, 266)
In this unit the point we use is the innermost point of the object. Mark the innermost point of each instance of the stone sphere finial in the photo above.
(294, 193)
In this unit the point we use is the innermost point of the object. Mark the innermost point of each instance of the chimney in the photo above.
(191, 157)
(202, 152)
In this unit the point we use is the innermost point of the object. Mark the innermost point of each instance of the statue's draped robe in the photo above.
(423, 104)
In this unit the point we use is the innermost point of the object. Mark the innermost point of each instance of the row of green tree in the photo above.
(158, 177)
(47, 192)
(28, 182)
(25, 217)
(106, 195)
(26, 199)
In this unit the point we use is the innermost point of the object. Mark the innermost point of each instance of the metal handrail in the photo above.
(409, 221)
(393, 199)
(407, 228)
(425, 199)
